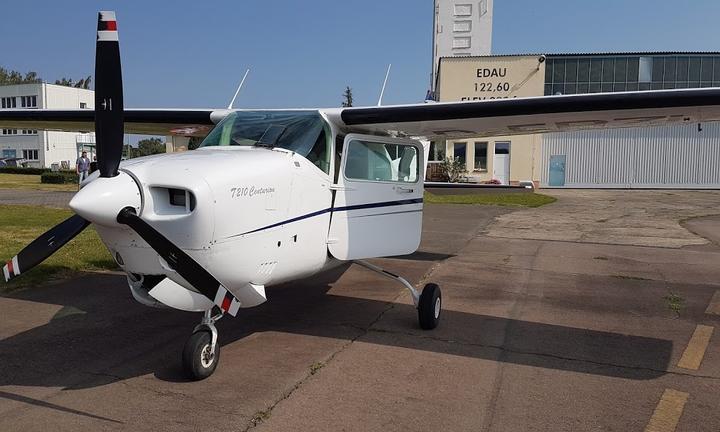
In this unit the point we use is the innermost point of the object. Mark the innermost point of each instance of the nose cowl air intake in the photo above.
(101, 200)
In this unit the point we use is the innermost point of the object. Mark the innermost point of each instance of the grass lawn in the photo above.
(524, 199)
(24, 181)
(22, 224)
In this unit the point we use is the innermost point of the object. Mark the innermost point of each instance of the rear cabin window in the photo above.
(382, 162)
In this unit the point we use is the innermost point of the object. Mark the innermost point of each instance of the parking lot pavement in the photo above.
(57, 199)
(623, 217)
(535, 335)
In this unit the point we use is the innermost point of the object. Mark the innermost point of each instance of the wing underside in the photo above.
(137, 121)
(537, 115)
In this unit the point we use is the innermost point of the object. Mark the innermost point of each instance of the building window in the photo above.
(30, 154)
(502, 148)
(83, 105)
(461, 43)
(8, 102)
(462, 26)
(646, 68)
(9, 131)
(28, 132)
(481, 156)
(437, 151)
(460, 152)
(28, 101)
(463, 10)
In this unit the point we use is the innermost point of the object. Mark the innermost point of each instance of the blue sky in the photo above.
(303, 54)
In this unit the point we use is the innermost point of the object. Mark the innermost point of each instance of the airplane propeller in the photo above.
(108, 199)
(109, 127)
(181, 262)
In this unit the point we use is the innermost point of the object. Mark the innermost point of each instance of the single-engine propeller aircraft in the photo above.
(276, 195)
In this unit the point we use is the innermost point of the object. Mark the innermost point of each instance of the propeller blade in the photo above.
(181, 262)
(44, 246)
(108, 96)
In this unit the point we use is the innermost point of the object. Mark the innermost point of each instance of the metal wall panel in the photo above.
(677, 156)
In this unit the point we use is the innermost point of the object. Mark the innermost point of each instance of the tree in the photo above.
(9, 77)
(347, 97)
(65, 82)
(84, 83)
(146, 147)
(194, 143)
(452, 169)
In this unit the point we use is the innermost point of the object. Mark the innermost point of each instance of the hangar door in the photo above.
(678, 156)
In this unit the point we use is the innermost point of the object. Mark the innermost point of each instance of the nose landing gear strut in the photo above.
(201, 354)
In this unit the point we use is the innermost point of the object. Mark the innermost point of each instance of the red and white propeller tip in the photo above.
(107, 26)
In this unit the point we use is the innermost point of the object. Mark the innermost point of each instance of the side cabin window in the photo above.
(381, 162)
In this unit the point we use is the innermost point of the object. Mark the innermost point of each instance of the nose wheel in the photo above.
(201, 354)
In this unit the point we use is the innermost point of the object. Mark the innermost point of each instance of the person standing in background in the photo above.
(81, 167)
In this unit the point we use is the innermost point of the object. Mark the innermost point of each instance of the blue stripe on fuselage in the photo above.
(335, 210)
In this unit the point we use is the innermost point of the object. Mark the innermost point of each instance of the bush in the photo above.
(21, 170)
(60, 177)
(452, 169)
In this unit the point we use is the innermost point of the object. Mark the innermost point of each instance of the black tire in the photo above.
(196, 364)
(430, 306)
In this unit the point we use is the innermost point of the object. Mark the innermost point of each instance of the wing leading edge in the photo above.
(521, 116)
(137, 121)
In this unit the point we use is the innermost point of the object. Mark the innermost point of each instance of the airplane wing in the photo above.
(520, 116)
(180, 122)
(455, 120)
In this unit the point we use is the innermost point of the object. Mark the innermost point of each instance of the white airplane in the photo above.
(273, 196)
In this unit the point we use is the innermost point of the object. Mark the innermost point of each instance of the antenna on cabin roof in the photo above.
(238, 89)
(382, 92)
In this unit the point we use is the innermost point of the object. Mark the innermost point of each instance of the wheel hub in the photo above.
(207, 357)
(437, 308)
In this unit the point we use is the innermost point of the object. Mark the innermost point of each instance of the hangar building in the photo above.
(41, 149)
(677, 156)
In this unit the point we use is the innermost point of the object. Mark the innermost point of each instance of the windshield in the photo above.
(291, 130)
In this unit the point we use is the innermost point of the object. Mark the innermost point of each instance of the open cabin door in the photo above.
(378, 203)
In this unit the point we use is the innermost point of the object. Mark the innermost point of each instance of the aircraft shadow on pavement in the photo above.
(102, 336)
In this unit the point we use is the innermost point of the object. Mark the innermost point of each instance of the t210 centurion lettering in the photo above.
(250, 191)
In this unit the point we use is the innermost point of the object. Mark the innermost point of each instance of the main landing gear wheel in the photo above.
(199, 360)
(429, 306)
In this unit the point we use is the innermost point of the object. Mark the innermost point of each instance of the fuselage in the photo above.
(250, 215)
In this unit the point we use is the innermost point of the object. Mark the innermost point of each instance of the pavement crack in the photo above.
(263, 415)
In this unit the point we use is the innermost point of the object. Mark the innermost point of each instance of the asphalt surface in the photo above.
(35, 197)
(542, 335)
